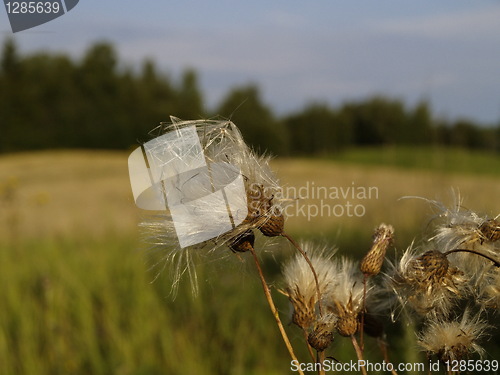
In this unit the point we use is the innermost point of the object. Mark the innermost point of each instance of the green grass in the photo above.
(451, 160)
(92, 308)
(70, 307)
(75, 307)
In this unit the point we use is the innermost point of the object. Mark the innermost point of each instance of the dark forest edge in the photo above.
(49, 100)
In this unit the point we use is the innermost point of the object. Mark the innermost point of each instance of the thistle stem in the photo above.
(304, 254)
(359, 353)
(495, 262)
(362, 328)
(274, 310)
(383, 348)
(309, 348)
(321, 359)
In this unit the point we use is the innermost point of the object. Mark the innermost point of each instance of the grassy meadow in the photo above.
(79, 289)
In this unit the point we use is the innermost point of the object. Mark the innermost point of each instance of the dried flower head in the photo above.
(459, 228)
(489, 289)
(426, 282)
(371, 264)
(344, 296)
(321, 335)
(453, 340)
(225, 159)
(243, 243)
(490, 230)
(300, 284)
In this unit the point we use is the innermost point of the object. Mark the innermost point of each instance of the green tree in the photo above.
(467, 135)
(377, 121)
(318, 129)
(98, 83)
(10, 95)
(419, 127)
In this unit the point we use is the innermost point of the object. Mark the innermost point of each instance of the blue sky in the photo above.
(445, 51)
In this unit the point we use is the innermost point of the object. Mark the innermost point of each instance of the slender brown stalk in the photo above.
(359, 353)
(274, 310)
(297, 246)
(362, 328)
(321, 359)
(309, 348)
(428, 361)
(383, 348)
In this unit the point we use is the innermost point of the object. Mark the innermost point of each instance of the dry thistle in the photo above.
(489, 290)
(301, 285)
(321, 335)
(453, 340)
(273, 225)
(347, 323)
(225, 155)
(344, 297)
(243, 243)
(262, 213)
(372, 262)
(429, 268)
(463, 228)
(428, 283)
(490, 230)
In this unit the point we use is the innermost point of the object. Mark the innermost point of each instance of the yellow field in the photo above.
(83, 193)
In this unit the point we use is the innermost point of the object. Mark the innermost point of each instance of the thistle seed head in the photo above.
(257, 203)
(322, 334)
(490, 230)
(243, 243)
(427, 283)
(489, 289)
(262, 213)
(371, 264)
(347, 324)
(303, 309)
(273, 226)
(430, 268)
(454, 340)
(300, 285)
(226, 156)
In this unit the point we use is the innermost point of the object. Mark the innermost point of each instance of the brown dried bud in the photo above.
(455, 353)
(347, 325)
(257, 203)
(431, 267)
(322, 336)
(273, 226)
(303, 311)
(371, 264)
(243, 243)
(490, 229)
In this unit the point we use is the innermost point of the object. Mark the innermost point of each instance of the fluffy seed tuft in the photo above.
(454, 340)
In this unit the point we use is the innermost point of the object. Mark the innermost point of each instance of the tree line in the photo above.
(49, 100)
